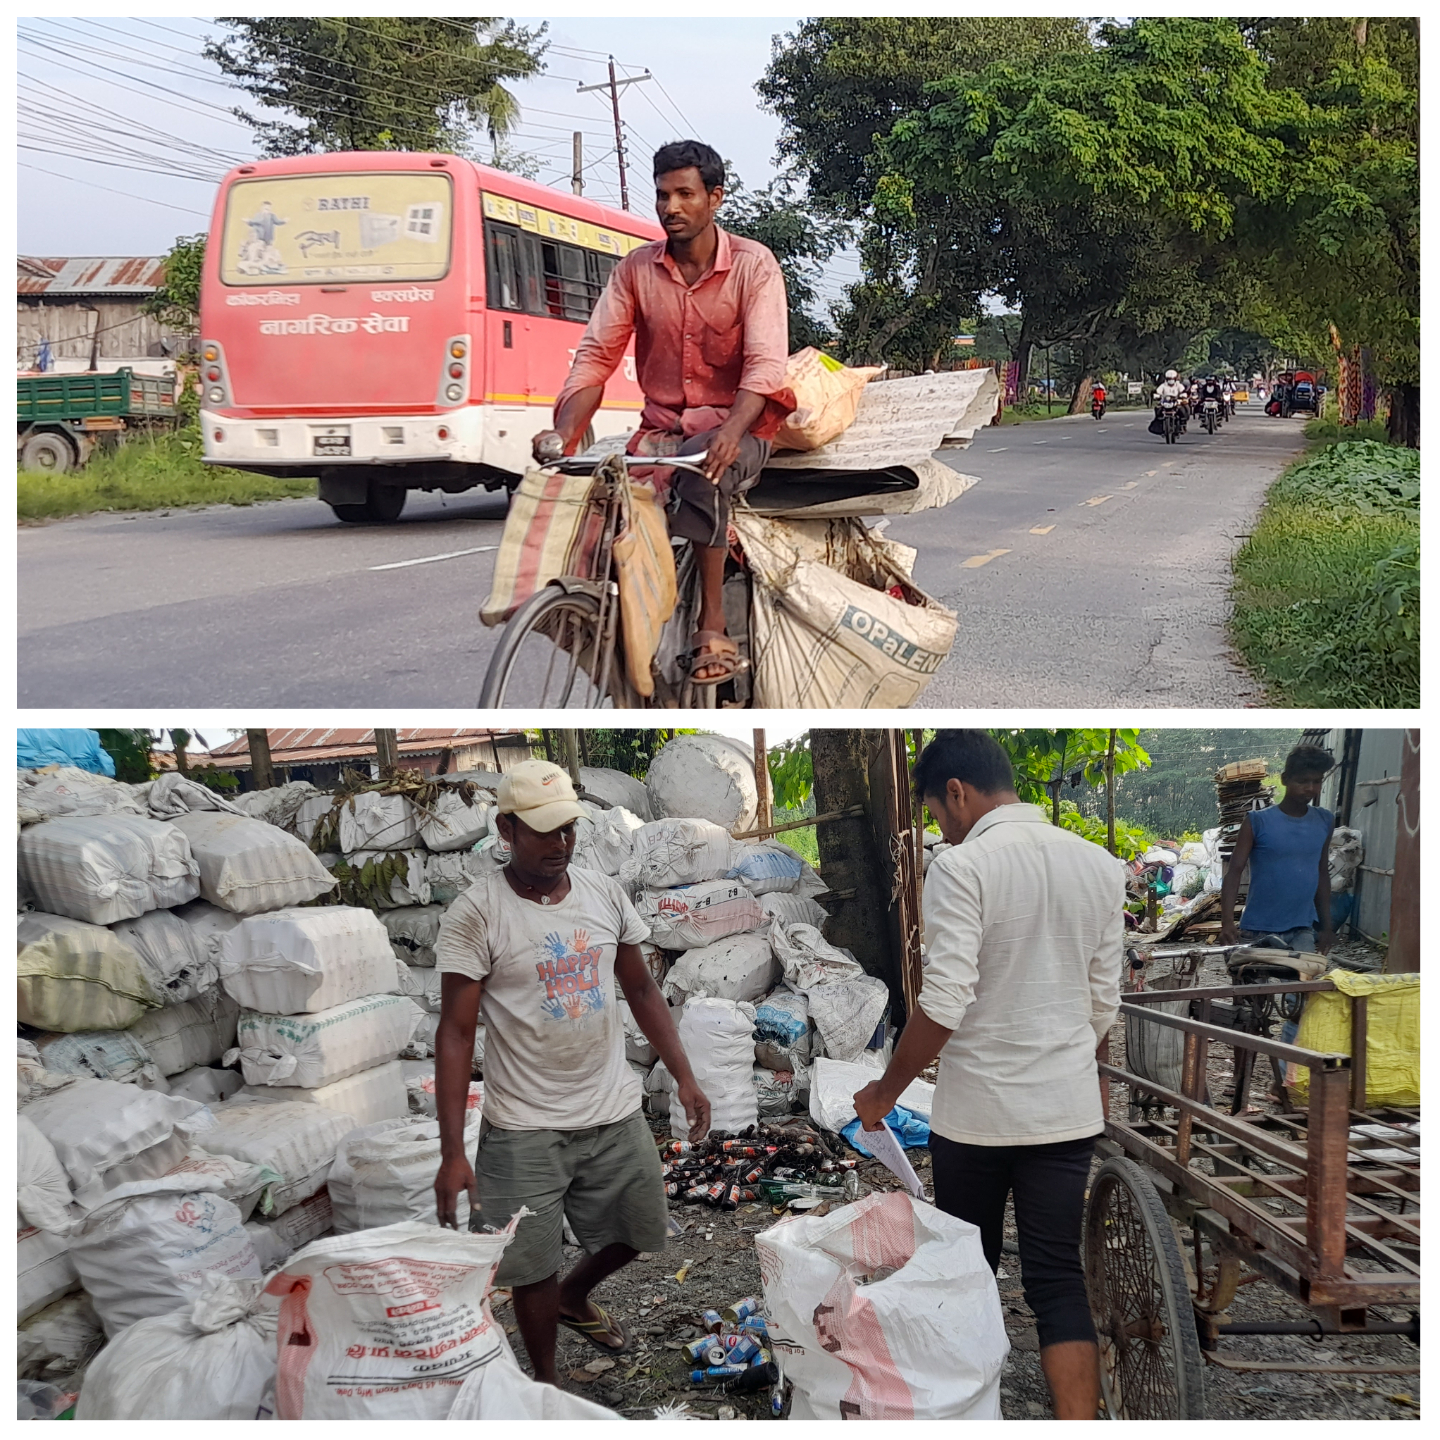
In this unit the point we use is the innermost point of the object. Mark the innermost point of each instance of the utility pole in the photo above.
(615, 86)
(260, 766)
(763, 813)
(577, 162)
(387, 751)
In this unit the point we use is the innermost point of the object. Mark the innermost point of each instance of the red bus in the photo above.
(389, 321)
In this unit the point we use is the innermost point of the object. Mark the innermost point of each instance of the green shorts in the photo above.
(605, 1180)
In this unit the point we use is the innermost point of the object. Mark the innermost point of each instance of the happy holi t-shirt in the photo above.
(554, 1039)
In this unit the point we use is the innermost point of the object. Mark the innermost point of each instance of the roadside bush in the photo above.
(1328, 585)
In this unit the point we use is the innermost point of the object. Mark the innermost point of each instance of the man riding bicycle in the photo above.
(710, 318)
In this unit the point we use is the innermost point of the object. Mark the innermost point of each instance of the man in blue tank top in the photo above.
(1288, 850)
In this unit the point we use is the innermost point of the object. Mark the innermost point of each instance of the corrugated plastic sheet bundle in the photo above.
(451, 822)
(296, 1140)
(104, 868)
(197, 1032)
(303, 960)
(247, 866)
(177, 955)
(378, 1093)
(412, 932)
(371, 821)
(326, 1045)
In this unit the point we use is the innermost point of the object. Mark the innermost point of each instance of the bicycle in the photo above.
(563, 648)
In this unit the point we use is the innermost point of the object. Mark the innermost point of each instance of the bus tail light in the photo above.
(216, 376)
(455, 372)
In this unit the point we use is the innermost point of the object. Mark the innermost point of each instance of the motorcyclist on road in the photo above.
(1097, 399)
(1227, 394)
(1170, 388)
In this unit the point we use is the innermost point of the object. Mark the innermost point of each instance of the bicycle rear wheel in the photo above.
(549, 656)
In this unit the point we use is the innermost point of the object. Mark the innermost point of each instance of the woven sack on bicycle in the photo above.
(645, 572)
(553, 529)
(864, 638)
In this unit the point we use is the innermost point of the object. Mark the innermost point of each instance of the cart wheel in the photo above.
(1150, 1362)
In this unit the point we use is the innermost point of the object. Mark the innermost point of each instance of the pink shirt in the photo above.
(695, 345)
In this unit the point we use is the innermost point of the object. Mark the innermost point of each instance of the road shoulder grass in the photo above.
(1327, 587)
(146, 474)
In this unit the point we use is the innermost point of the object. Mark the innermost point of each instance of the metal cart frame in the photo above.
(1292, 1197)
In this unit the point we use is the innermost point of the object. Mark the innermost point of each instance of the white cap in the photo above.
(1170, 375)
(540, 794)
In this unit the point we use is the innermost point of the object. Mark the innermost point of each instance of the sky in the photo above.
(125, 127)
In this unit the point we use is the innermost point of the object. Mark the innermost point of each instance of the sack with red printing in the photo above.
(884, 1310)
(387, 1323)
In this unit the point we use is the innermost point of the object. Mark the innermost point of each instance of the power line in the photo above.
(91, 185)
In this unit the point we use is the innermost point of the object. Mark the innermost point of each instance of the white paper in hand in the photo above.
(884, 1146)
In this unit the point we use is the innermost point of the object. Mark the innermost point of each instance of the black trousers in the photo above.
(972, 1182)
(700, 511)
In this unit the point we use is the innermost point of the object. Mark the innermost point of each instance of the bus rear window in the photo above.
(367, 225)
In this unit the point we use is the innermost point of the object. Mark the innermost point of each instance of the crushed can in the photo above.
(740, 1348)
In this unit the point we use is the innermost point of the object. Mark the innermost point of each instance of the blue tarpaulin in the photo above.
(80, 748)
(910, 1130)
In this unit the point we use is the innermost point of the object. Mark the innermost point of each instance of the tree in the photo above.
(1047, 760)
(377, 83)
(130, 750)
(176, 304)
(801, 240)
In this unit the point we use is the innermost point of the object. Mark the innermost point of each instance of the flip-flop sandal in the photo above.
(731, 661)
(591, 1329)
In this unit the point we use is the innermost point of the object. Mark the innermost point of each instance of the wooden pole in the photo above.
(1404, 952)
(763, 811)
(577, 162)
(1110, 795)
(570, 741)
(260, 766)
(387, 750)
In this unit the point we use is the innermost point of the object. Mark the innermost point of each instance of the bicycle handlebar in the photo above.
(579, 465)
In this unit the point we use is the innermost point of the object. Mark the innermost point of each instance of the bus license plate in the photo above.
(333, 442)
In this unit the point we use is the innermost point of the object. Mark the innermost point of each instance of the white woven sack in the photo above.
(421, 986)
(834, 1083)
(638, 1050)
(793, 909)
(717, 1037)
(341, 1183)
(96, 1125)
(407, 889)
(822, 639)
(199, 1032)
(247, 866)
(208, 1085)
(105, 868)
(68, 790)
(176, 955)
(44, 1271)
(272, 1249)
(687, 917)
(295, 1140)
(312, 809)
(846, 1014)
(278, 805)
(616, 788)
(451, 822)
(604, 839)
(766, 867)
(76, 976)
(452, 873)
(320, 1048)
(146, 1250)
(242, 1182)
(704, 777)
(41, 1183)
(502, 1391)
(370, 821)
(676, 852)
(884, 1310)
(412, 931)
(209, 925)
(214, 1360)
(302, 960)
(394, 1319)
(739, 967)
(57, 1343)
(392, 1173)
(421, 1090)
(783, 1019)
(103, 1055)
(808, 959)
(300, 1224)
(378, 1093)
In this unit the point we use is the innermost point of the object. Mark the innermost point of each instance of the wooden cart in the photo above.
(1321, 1200)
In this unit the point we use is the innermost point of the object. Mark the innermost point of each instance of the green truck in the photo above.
(62, 418)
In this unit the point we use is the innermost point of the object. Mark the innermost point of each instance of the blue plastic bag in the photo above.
(911, 1131)
(759, 865)
(80, 748)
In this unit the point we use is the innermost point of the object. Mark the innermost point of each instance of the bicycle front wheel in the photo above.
(549, 656)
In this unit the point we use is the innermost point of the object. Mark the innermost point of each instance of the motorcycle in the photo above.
(1097, 407)
(1170, 419)
(1210, 415)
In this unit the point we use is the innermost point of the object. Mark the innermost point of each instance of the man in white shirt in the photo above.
(537, 948)
(1024, 940)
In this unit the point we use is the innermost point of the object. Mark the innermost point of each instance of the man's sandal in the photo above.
(591, 1330)
(730, 661)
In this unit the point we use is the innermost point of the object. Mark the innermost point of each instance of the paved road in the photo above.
(1121, 602)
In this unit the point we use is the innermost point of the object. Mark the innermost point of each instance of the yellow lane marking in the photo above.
(1041, 529)
(1153, 472)
(1165, 464)
(1095, 500)
(1131, 485)
(976, 561)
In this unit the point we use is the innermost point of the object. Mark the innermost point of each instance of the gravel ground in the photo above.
(663, 1313)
